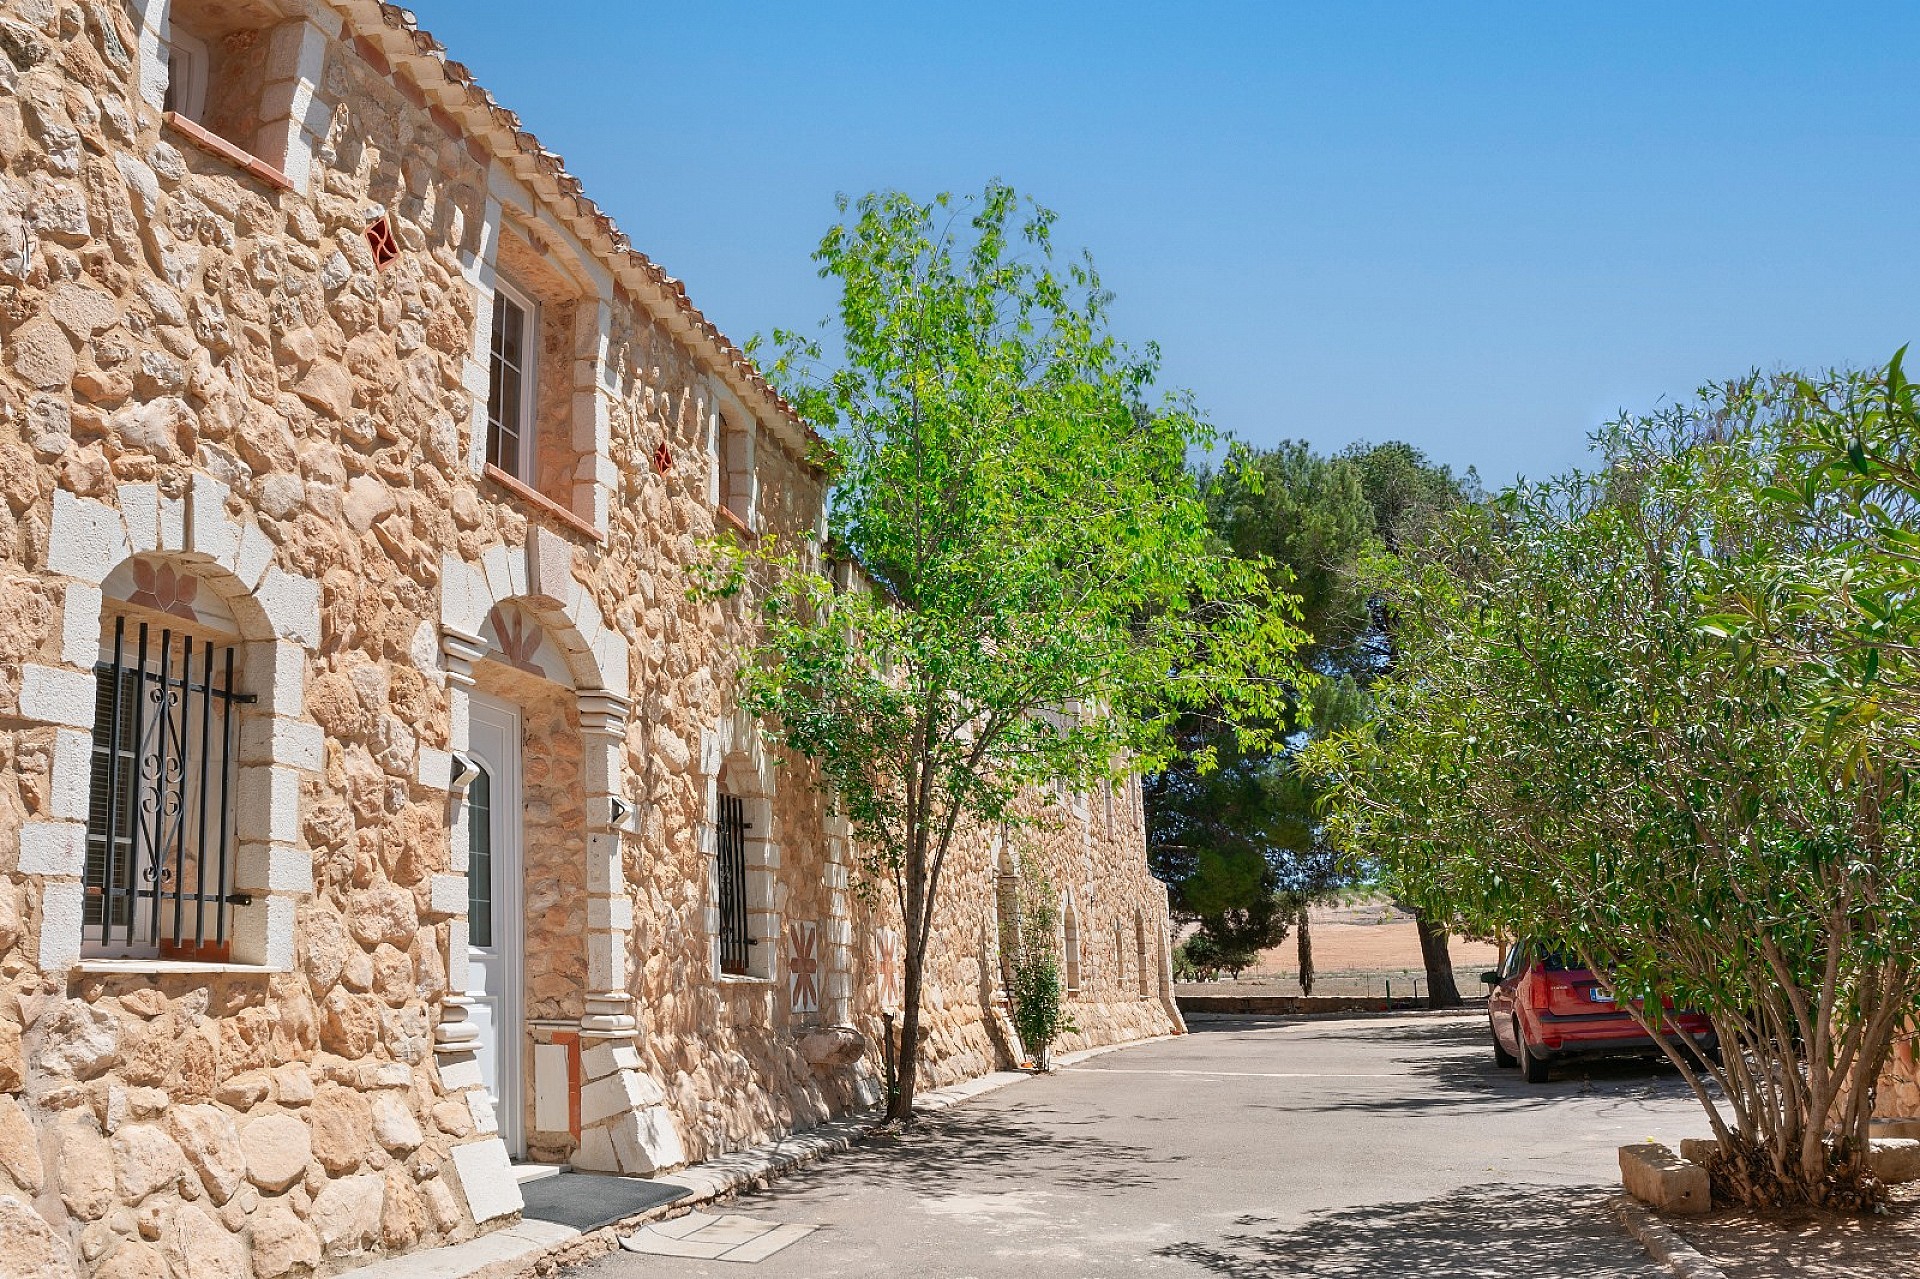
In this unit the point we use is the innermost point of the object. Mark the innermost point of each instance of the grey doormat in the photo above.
(586, 1201)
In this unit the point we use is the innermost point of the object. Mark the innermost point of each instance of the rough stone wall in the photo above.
(965, 1023)
(168, 320)
(1898, 1094)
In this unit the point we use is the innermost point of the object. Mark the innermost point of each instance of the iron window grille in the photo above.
(158, 877)
(735, 944)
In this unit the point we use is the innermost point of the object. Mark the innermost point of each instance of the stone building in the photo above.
(374, 816)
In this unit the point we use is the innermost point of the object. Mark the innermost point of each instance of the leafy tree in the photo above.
(1036, 595)
(1623, 720)
(1312, 518)
(1853, 453)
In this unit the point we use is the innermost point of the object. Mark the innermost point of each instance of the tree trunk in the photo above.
(1441, 991)
(907, 1059)
(1304, 941)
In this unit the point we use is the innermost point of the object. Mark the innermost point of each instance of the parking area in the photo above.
(1247, 1148)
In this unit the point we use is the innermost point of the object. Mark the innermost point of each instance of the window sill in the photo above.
(157, 967)
(215, 145)
(526, 493)
(725, 516)
(742, 979)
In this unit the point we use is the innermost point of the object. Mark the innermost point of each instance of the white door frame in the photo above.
(494, 740)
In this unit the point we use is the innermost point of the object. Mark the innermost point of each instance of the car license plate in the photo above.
(1600, 995)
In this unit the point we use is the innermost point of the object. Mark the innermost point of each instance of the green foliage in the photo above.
(1852, 454)
(1241, 845)
(1626, 720)
(1038, 993)
(1035, 592)
(1236, 896)
(1199, 958)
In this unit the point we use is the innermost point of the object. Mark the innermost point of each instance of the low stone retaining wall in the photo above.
(1287, 1005)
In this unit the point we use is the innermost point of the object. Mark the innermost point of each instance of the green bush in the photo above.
(1038, 994)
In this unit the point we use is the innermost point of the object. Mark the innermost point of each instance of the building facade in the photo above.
(374, 813)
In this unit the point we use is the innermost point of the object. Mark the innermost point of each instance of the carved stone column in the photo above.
(483, 1165)
(625, 1125)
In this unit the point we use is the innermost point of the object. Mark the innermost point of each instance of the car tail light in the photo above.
(1540, 990)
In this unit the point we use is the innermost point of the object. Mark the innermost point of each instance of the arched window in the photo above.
(1007, 912)
(1140, 952)
(1071, 947)
(736, 942)
(162, 795)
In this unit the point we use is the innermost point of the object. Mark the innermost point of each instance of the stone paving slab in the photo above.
(732, 1237)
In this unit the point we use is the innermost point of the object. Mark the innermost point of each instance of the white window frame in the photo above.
(529, 377)
(188, 64)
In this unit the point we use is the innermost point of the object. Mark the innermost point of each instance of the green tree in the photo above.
(1043, 598)
(1621, 722)
(1311, 518)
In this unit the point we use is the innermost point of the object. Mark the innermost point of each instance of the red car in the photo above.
(1545, 1009)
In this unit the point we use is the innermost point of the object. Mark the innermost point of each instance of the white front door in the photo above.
(493, 909)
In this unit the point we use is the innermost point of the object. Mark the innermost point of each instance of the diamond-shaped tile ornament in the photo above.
(803, 967)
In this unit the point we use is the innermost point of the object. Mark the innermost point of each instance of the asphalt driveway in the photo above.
(1248, 1148)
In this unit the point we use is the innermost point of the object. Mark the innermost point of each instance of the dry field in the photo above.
(1358, 949)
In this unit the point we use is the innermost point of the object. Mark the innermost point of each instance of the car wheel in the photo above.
(1532, 1069)
(1501, 1057)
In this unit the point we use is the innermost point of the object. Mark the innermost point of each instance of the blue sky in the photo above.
(1480, 227)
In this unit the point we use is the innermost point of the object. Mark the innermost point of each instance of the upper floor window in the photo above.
(733, 468)
(233, 73)
(545, 433)
(511, 382)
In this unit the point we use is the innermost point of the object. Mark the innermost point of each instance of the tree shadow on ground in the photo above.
(1035, 1147)
(1476, 1232)
(1454, 1082)
(1748, 1245)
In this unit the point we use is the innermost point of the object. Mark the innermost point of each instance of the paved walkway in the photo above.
(1324, 1149)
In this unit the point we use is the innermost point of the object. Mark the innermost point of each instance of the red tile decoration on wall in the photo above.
(887, 958)
(161, 589)
(381, 240)
(663, 458)
(519, 640)
(803, 967)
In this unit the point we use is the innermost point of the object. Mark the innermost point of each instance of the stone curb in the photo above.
(530, 1248)
(1663, 1243)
